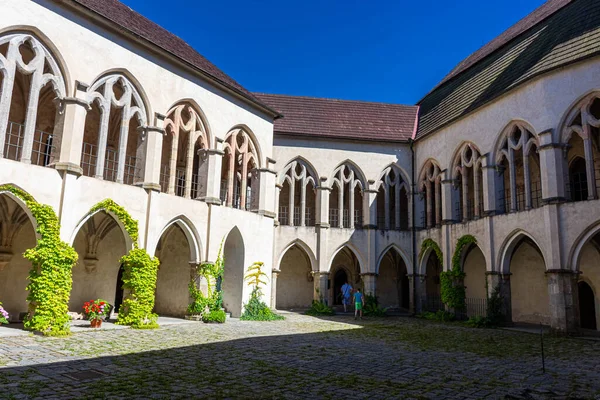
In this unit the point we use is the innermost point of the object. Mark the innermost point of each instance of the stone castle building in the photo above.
(97, 102)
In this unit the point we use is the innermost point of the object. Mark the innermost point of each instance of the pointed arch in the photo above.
(393, 284)
(512, 241)
(393, 200)
(346, 203)
(191, 234)
(398, 250)
(430, 186)
(133, 80)
(129, 244)
(304, 247)
(234, 254)
(310, 169)
(297, 196)
(22, 205)
(361, 176)
(467, 172)
(352, 248)
(585, 237)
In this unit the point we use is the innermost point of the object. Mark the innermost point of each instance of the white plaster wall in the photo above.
(528, 286)
(294, 288)
(13, 278)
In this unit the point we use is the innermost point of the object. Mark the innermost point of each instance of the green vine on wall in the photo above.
(139, 274)
(452, 281)
(50, 278)
(213, 299)
(431, 244)
(130, 224)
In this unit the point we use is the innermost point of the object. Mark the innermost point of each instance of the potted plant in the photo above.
(3, 315)
(95, 311)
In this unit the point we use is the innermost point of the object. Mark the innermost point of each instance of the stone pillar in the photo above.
(321, 281)
(69, 130)
(564, 302)
(278, 188)
(274, 274)
(491, 187)
(429, 202)
(552, 169)
(370, 283)
(418, 292)
(512, 170)
(266, 199)
(370, 209)
(527, 182)
(589, 162)
(322, 217)
(209, 173)
(502, 282)
(153, 138)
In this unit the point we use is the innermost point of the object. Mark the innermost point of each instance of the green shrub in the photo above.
(440, 315)
(478, 322)
(495, 305)
(372, 307)
(215, 316)
(257, 310)
(319, 308)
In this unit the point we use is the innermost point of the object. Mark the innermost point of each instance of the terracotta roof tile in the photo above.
(128, 19)
(342, 119)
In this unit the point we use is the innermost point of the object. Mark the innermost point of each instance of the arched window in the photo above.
(582, 136)
(239, 174)
(346, 198)
(392, 200)
(519, 163)
(469, 183)
(186, 136)
(430, 184)
(298, 194)
(30, 81)
(112, 142)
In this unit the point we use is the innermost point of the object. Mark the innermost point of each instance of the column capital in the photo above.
(562, 271)
(369, 274)
(319, 273)
(275, 271)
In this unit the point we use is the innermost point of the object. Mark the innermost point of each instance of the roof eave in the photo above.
(333, 137)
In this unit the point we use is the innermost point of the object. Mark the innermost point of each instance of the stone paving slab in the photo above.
(299, 358)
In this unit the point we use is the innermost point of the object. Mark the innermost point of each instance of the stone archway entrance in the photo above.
(339, 279)
(393, 286)
(475, 282)
(17, 234)
(233, 275)
(587, 306)
(345, 267)
(433, 269)
(295, 288)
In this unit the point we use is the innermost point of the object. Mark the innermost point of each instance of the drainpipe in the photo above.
(414, 229)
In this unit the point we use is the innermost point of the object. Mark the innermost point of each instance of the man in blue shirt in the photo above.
(346, 294)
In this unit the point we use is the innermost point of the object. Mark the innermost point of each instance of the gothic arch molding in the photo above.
(509, 246)
(305, 248)
(191, 234)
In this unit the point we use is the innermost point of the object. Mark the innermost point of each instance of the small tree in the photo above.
(256, 309)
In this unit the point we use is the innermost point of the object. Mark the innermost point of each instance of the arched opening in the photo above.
(297, 197)
(295, 282)
(393, 288)
(233, 275)
(346, 198)
(345, 266)
(119, 291)
(589, 269)
(112, 146)
(578, 187)
(468, 197)
(239, 172)
(529, 297)
(30, 83)
(174, 272)
(430, 184)
(587, 306)
(433, 269)
(100, 244)
(17, 234)
(475, 281)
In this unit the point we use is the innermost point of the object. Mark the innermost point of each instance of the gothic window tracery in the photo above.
(239, 174)
(468, 183)
(430, 185)
(30, 82)
(519, 163)
(346, 198)
(392, 200)
(113, 139)
(297, 197)
(186, 136)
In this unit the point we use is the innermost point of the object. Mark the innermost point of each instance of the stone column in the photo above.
(153, 138)
(278, 188)
(438, 202)
(322, 204)
(447, 189)
(321, 280)
(476, 190)
(589, 162)
(490, 182)
(274, 274)
(502, 282)
(420, 289)
(69, 130)
(370, 209)
(209, 173)
(552, 169)
(370, 283)
(266, 191)
(527, 182)
(429, 201)
(512, 170)
(564, 302)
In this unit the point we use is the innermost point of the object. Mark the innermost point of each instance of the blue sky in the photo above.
(389, 51)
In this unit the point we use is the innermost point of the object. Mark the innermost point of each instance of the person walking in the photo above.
(346, 294)
(359, 302)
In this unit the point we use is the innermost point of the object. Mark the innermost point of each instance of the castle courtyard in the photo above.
(301, 357)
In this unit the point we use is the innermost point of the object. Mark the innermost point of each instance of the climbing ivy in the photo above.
(452, 281)
(131, 225)
(139, 282)
(431, 244)
(50, 279)
(139, 274)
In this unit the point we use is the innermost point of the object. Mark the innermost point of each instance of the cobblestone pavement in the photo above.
(301, 357)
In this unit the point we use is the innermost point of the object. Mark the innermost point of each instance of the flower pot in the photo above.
(96, 323)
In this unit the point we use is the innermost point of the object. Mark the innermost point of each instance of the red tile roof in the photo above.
(342, 119)
(120, 14)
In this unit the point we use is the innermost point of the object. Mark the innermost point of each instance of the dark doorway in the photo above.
(587, 306)
(338, 281)
(578, 180)
(405, 292)
(119, 291)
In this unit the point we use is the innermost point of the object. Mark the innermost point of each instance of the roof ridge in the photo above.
(332, 99)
